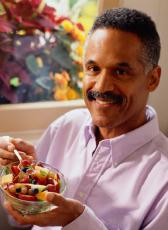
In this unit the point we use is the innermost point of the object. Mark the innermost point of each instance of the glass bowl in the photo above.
(30, 207)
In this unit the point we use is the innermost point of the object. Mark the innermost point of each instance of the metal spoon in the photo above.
(8, 138)
(18, 155)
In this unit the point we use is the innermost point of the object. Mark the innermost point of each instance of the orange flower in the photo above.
(79, 50)
(68, 26)
(78, 35)
(72, 94)
(67, 93)
(62, 78)
(81, 75)
(60, 94)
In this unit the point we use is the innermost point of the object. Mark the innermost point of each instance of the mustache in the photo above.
(109, 96)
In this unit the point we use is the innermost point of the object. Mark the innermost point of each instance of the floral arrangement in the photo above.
(40, 53)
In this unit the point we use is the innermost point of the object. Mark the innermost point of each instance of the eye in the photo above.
(119, 72)
(92, 69)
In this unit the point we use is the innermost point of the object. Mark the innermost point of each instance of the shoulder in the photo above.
(74, 118)
(66, 127)
(161, 148)
(161, 144)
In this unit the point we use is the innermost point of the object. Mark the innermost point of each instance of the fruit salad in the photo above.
(30, 181)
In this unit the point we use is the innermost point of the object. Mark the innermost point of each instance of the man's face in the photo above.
(113, 64)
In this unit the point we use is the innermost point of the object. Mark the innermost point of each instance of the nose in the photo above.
(104, 82)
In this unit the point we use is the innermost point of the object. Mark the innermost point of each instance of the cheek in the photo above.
(137, 95)
(88, 83)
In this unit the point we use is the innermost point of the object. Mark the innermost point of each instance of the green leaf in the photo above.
(32, 65)
(61, 56)
(6, 170)
(15, 81)
(2, 10)
(45, 83)
(64, 38)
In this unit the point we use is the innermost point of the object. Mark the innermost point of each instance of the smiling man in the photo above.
(113, 153)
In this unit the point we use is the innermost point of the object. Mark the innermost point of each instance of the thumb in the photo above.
(56, 199)
(5, 142)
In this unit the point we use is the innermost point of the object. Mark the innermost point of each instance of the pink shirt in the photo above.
(124, 184)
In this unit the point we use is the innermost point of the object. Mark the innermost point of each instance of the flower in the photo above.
(40, 53)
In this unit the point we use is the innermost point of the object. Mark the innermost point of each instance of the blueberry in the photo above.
(35, 191)
(34, 181)
(18, 190)
(24, 169)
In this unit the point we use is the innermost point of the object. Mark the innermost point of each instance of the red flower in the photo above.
(5, 26)
(30, 14)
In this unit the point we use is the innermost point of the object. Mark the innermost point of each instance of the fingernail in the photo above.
(50, 196)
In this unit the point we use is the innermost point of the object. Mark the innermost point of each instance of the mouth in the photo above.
(107, 98)
(103, 102)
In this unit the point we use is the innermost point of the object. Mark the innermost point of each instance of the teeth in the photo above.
(103, 102)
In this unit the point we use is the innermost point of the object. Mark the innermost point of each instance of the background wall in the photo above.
(37, 116)
(158, 10)
(19, 118)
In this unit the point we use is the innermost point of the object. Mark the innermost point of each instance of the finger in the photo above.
(25, 156)
(24, 146)
(5, 143)
(38, 219)
(4, 162)
(56, 199)
(7, 155)
(15, 214)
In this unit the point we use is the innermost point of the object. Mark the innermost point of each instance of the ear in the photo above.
(154, 78)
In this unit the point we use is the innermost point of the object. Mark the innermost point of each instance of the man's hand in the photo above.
(7, 146)
(66, 211)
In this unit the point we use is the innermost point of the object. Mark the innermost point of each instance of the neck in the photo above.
(103, 133)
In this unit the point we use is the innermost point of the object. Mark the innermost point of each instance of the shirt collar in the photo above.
(125, 144)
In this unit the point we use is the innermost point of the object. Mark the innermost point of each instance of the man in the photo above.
(113, 155)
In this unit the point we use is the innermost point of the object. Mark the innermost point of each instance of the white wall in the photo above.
(158, 10)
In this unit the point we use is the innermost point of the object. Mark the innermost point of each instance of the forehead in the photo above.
(112, 45)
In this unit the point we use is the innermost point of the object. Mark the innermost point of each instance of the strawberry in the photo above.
(53, 188)
(15, 169)
(24, 179)
(42, 181)
(26, 163)
(51, 181)
(27, 197)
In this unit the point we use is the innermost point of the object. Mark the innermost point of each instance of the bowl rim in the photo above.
(27, 201)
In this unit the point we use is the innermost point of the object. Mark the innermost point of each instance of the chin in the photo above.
(102, 123)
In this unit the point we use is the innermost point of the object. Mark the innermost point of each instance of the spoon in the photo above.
(8, 138)
(18, 155)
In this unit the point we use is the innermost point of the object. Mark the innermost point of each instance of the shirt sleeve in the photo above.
(158, 216)
(87, 220)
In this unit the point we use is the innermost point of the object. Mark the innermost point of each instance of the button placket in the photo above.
(92, 175)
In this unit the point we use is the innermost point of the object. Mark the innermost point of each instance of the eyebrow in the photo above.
(90, 62)
(124, 64)
(120, 64)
